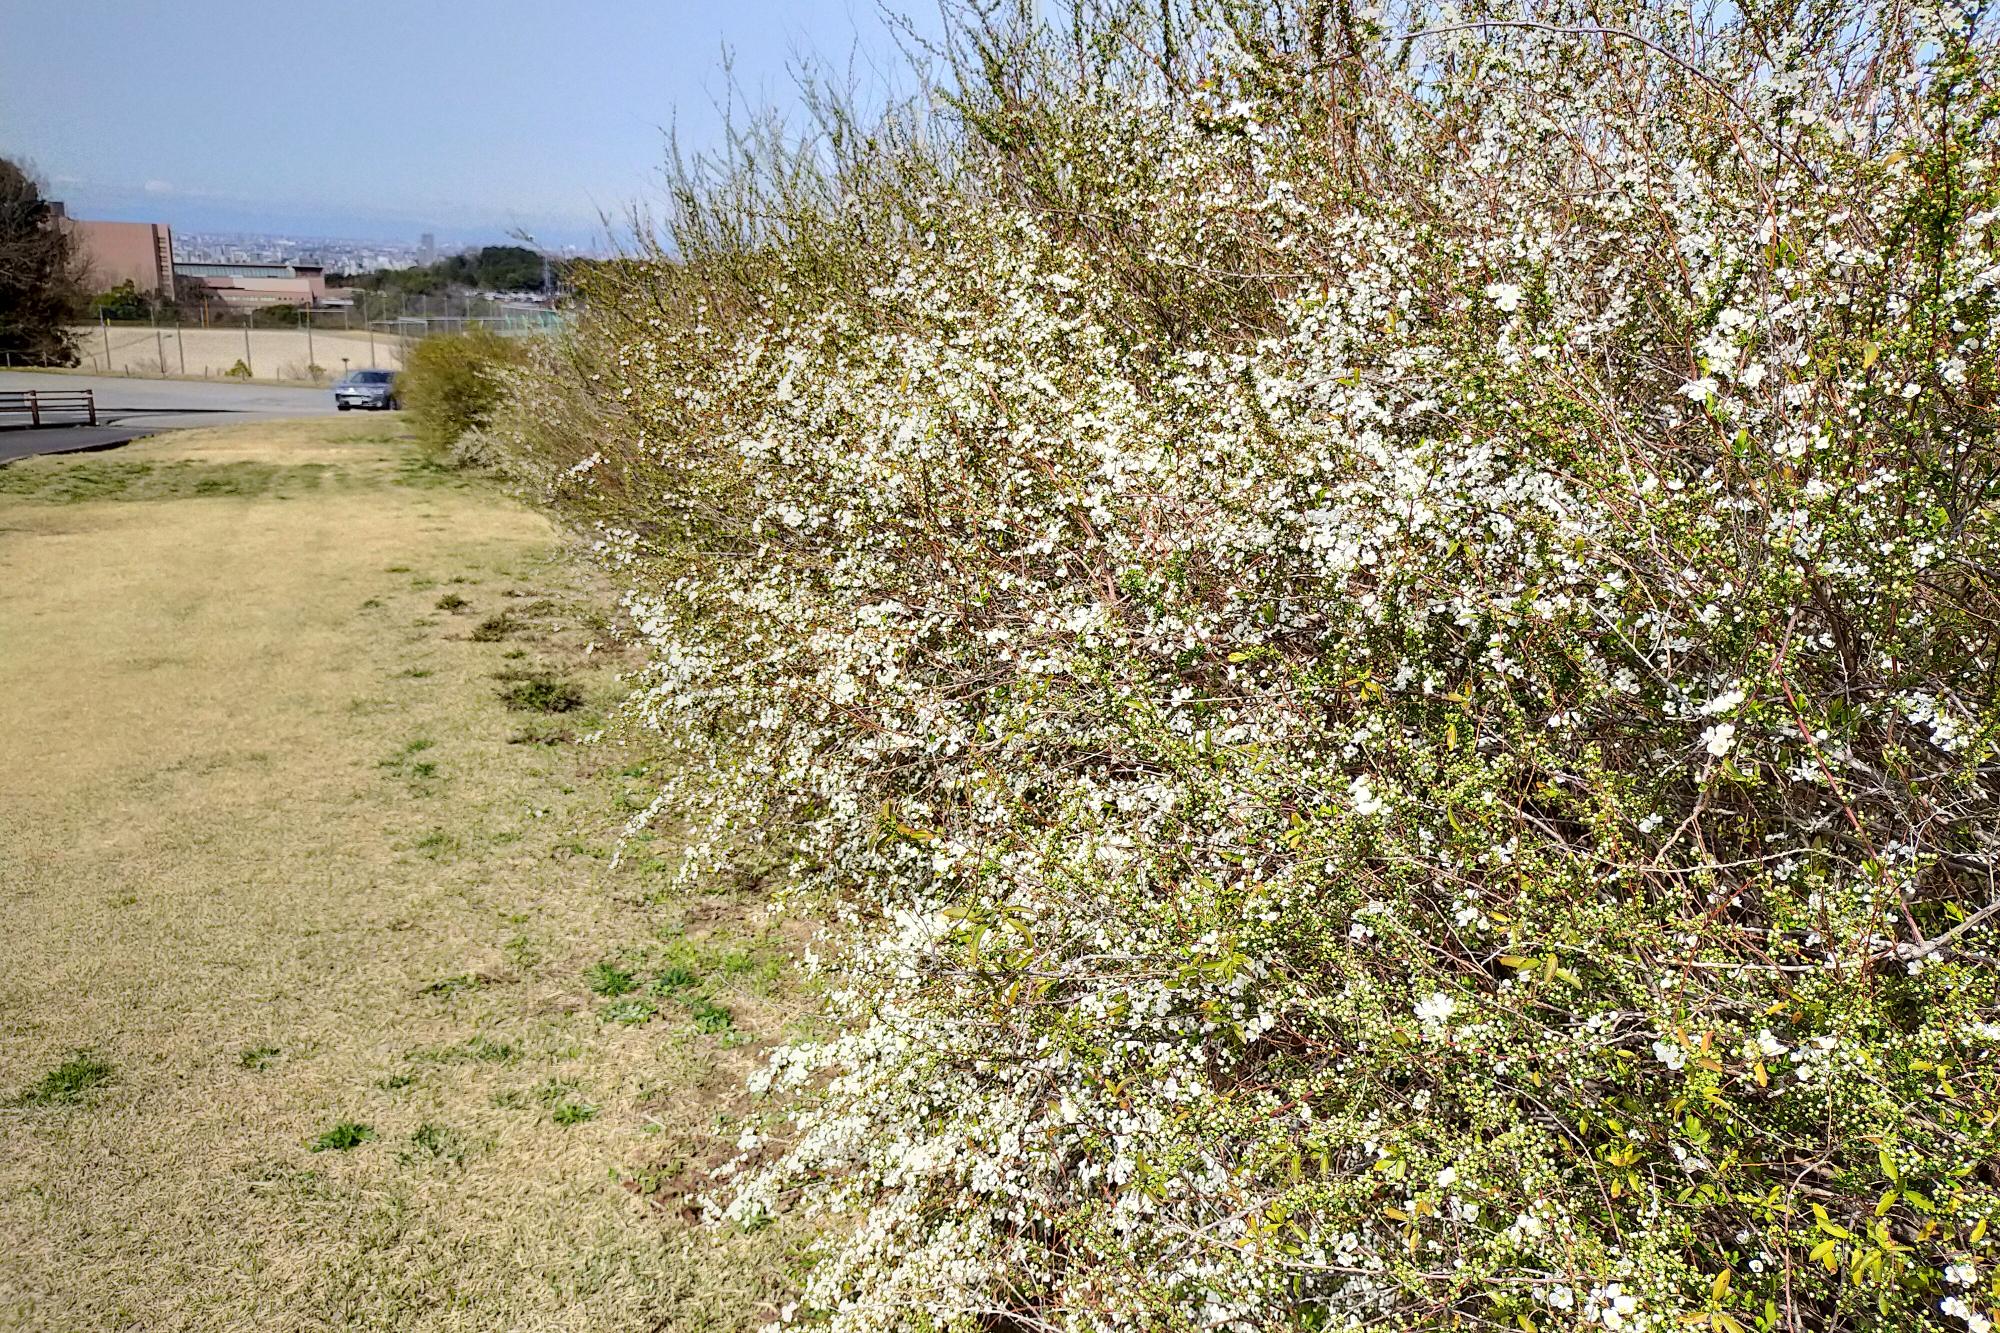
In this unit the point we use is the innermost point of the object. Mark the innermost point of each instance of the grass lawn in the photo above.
(321, 1004)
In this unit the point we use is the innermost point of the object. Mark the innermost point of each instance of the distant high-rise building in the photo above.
(427, 248)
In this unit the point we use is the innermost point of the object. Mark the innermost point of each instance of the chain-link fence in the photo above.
(283, 342)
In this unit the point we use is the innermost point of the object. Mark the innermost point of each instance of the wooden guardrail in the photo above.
(48, 406)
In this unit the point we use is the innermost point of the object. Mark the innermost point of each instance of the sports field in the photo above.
(269, 354)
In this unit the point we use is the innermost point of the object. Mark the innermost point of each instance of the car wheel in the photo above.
(343, 406)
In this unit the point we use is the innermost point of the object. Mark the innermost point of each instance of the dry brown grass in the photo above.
(233, 873)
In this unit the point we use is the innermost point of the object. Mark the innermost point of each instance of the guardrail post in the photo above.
(90, 399)
(34, 408)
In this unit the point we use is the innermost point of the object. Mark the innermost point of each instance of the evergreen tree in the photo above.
(37, 281)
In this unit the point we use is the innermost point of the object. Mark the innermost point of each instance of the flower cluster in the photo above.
(1373, 637)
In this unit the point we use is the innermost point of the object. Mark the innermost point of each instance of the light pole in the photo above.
(528, 238)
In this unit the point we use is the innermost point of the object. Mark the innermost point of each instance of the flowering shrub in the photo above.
(452, 384)
(1374, 638)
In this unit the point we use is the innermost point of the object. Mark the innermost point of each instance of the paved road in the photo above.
(130, 408)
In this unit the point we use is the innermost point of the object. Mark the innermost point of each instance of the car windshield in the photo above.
(369, 377)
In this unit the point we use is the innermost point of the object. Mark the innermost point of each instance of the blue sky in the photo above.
(375, 119)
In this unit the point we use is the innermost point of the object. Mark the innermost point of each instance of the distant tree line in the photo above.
(491, 268)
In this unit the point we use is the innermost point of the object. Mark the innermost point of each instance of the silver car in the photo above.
(372, 389)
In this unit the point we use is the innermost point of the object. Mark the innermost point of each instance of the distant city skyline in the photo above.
(379, 125)
(339, 254)
(194, 214)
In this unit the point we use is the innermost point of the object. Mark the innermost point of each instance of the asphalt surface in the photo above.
(128, 409)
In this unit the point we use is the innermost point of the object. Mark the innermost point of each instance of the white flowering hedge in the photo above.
(1374, 635)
